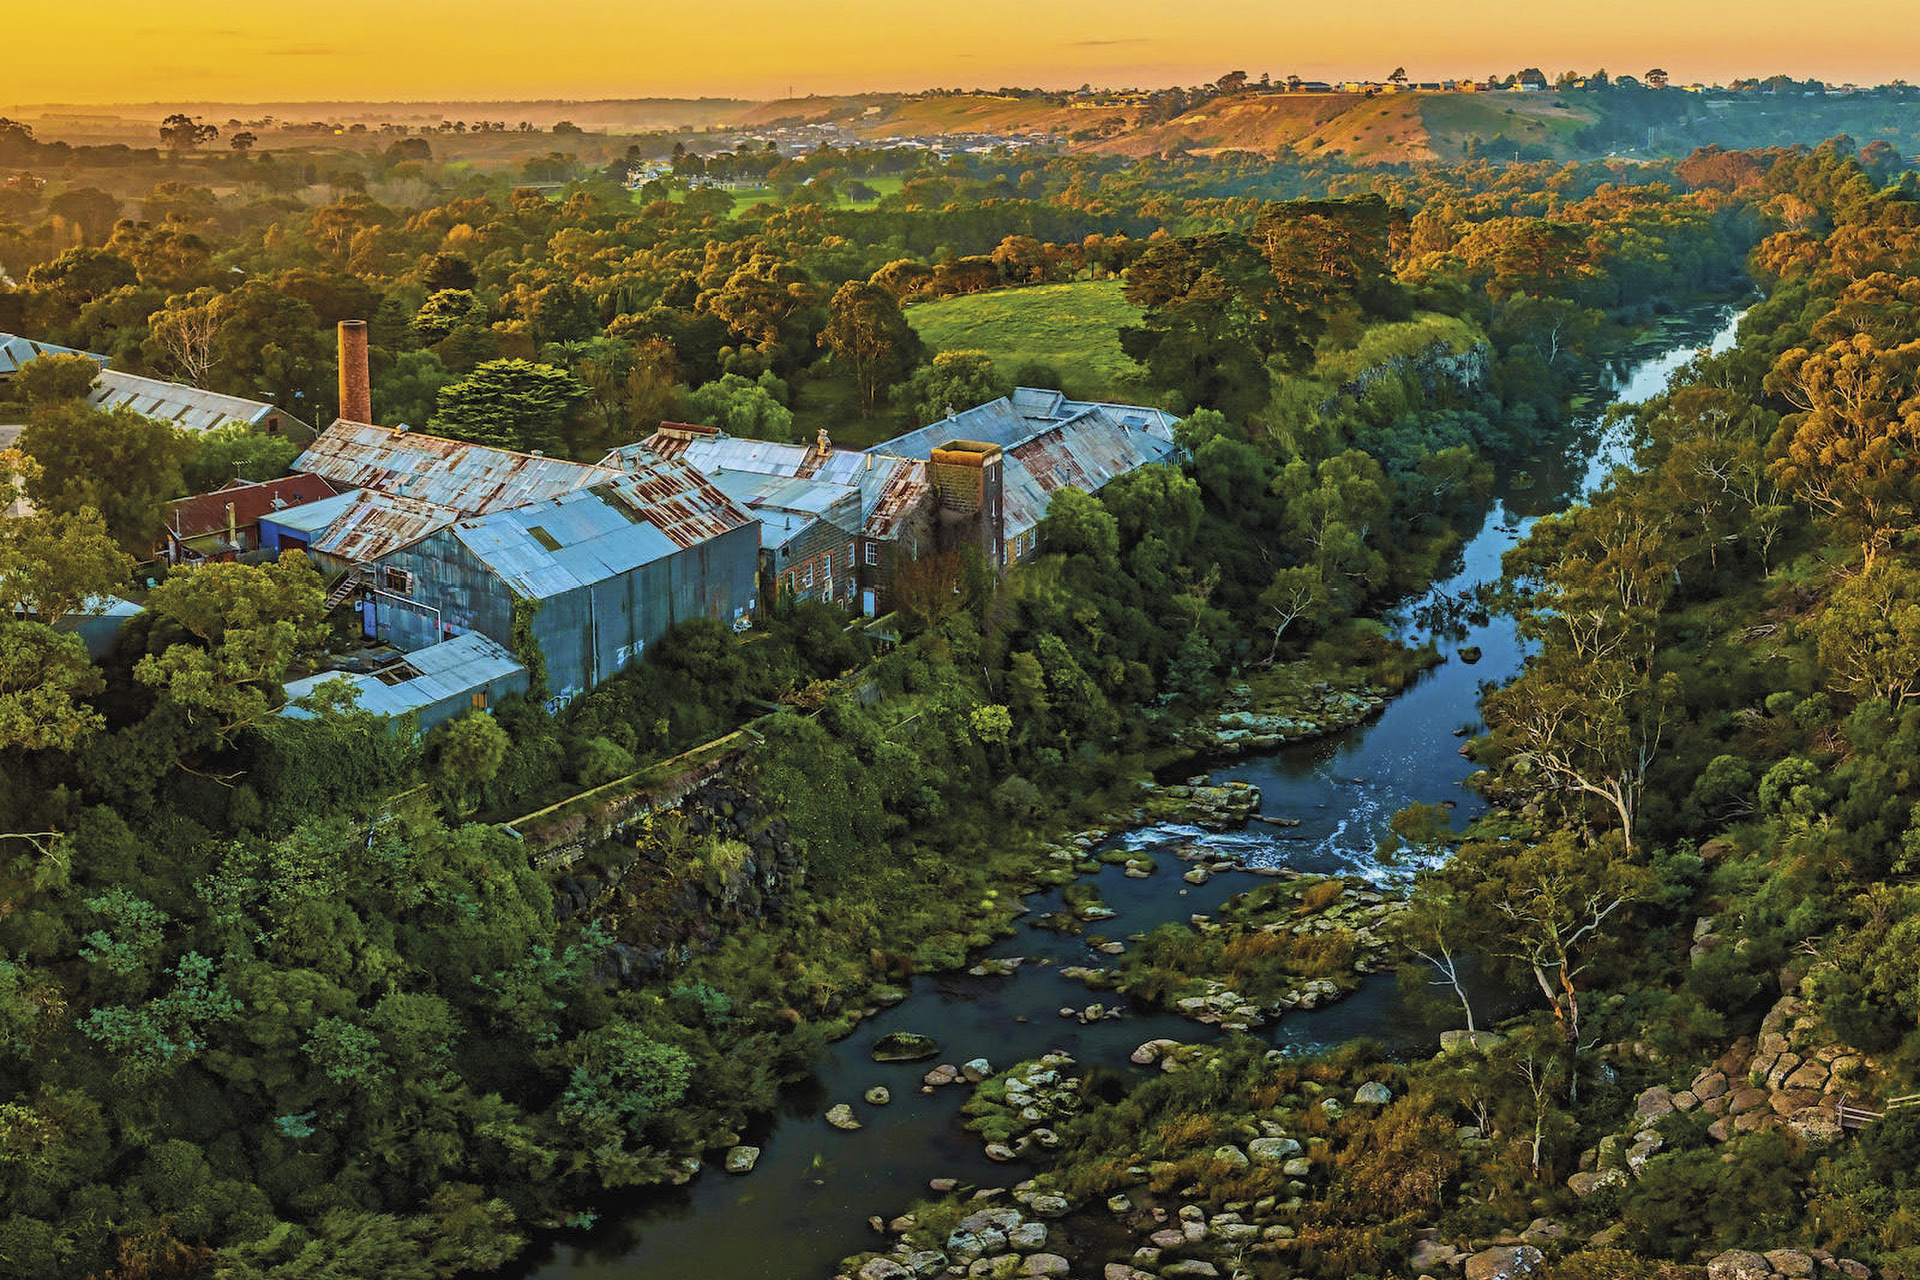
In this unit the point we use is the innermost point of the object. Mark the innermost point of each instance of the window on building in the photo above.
(829, 563)
(398, 581)
(480, 700)
(873, 553)
(806, 579)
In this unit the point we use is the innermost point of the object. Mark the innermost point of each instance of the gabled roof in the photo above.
(207, 512)
(1049, 442)
(16, 351)
(1029, 411)
(471, 479)
(551, 547)
(188, 408)
(1086, 452)
(888, 486)
(377, 524)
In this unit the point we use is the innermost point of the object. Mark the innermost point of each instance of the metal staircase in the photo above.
(355, 579)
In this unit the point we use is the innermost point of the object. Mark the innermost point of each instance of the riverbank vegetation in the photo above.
(1698, 861)
(269, 1002)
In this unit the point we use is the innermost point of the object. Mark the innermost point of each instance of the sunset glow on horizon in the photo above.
(224, 50)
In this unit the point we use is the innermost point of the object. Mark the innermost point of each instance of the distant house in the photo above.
(192, 409)
(225, 524)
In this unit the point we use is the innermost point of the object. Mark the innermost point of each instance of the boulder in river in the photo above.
(1507, 1262)
(904, 1046)
(841, 1116)
(742, 1159)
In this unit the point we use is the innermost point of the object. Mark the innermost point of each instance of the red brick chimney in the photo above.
(356, 386)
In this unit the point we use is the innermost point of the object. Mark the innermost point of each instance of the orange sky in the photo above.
(230, 50)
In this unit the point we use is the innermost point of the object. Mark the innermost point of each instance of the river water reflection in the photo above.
(806, 1204)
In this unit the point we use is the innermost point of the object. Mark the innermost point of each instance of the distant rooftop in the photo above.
(16, 351)
(188, 408)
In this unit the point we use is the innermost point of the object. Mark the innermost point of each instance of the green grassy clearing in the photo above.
(1073, 327)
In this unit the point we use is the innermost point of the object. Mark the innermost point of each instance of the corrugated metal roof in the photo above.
(888, 486)
(1085, 452)
(679, 501)
(188, 408)
(551, 547)
(16, 351)
(376, 524)
(434, 674)
(315, 516)
(470, 478)
(1007, 422)
(788, 506)
(207, 512)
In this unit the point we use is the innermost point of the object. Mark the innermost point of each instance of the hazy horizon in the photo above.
(586, 50)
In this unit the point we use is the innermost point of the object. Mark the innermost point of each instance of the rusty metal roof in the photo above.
(888, 486)
(1049, 443)
(377, 524)
(893, 491)
(788, 506)
(470, 478)
(679, 501)
(207, 512)
(550, 547)
(1085, 452)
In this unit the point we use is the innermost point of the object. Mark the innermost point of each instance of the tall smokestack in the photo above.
(356, 385)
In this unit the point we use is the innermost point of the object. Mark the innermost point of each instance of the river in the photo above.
(806, 1204)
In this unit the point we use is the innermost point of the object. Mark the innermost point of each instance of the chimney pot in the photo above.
(356, 385)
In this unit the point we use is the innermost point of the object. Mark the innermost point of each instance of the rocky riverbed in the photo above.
(1286, 708)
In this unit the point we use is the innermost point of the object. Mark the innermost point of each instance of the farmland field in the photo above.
(1073, 327)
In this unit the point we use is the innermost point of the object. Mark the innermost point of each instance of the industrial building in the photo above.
(225, 524)
(834, 523)
(1044, 442)
(441, 538)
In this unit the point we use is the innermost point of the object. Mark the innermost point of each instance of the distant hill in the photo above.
(627, 115)
(1388, 128)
